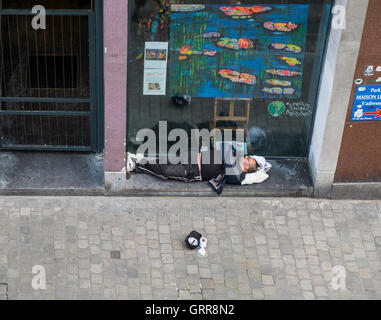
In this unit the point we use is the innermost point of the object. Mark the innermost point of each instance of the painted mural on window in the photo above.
(237, 51)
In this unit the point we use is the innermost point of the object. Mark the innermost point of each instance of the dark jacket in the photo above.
(232, 174)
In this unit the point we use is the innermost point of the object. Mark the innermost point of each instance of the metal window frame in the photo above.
(96, 99)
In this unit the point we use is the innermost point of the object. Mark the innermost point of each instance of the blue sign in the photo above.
(367, 105)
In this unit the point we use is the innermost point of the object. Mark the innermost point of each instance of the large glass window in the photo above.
(253, 65)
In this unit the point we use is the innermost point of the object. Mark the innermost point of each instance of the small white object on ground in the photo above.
(203, 243)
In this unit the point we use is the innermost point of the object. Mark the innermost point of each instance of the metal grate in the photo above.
(44, 63)
(46, 98)
(46, 130)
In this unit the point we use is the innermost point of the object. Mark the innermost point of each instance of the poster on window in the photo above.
(155, 55)
(155, 81)
(237, 51)
(155, 68)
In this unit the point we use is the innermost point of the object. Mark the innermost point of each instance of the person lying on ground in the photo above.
(219, 168)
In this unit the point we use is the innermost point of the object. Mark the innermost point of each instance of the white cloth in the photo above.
(262, 163)
(259, 176)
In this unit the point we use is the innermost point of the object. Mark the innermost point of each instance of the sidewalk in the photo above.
(74, 174)
(132, 248)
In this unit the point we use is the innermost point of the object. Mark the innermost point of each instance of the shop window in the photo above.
(219, 64)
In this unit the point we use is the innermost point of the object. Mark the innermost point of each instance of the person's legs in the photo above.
(182, 172)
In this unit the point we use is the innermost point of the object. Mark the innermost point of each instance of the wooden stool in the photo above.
(232, 117)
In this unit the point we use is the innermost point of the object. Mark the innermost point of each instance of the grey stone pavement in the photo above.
(132, 248)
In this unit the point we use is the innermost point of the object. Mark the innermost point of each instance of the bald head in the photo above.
(248, 164)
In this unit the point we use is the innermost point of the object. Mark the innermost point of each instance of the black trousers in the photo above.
(183, 171)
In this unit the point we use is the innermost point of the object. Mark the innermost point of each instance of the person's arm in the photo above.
(233, 174)
(199, 164)
(229, 153)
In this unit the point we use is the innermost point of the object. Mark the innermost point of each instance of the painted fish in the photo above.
(211, 35)
(287, 47)
(235, 44)
(187, 7)
(280, 26)
(278, 90)
(243, 12)
(290, 61)
(276, 82)
(239, 77)
(283, 73)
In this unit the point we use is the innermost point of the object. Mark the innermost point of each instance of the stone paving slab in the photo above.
(132, 248)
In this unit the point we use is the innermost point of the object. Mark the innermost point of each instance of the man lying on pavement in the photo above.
(218, 167)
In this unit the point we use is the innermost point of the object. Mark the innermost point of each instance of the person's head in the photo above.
(248, 165)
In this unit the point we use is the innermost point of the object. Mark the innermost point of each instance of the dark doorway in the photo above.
(48, 87)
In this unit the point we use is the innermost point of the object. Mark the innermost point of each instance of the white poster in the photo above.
(155, 68)
(155, 81)
(156, 55)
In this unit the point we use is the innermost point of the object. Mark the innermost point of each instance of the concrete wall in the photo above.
(115, 64)
(334, 95)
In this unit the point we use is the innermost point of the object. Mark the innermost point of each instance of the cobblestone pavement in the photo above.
(132, 248)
